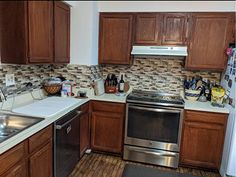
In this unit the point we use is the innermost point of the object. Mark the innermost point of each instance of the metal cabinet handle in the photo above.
(58, 127)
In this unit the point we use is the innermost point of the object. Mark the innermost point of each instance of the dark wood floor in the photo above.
(100, 165)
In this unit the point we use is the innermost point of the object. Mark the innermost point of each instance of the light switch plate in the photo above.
(10, 79)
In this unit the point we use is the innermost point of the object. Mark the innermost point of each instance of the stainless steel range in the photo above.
(153, 128)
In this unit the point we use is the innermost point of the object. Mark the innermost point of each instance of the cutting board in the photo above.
(47, 107)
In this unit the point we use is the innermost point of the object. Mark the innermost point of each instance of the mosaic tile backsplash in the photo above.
(23, 74)
(80, 74)
(159, 74)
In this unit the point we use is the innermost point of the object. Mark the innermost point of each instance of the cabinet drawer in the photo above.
(11, 157)
(207, 117)
(84, 108)
(108, 107)
(40, 138)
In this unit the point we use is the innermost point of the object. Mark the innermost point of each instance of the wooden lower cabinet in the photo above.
(41, 162)
(203, 139)
(107, 126)
(31, 158)
(84, 129)
(12, 162)
(19, 170)
(41, 153)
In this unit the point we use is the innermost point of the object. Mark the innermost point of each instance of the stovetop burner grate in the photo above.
(152, 97)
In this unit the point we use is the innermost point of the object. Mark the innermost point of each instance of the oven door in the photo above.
(153, 127)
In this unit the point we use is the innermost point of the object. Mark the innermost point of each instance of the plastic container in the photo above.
(192, 95)
(67, 87)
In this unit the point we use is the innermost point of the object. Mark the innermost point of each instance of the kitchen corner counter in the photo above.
(21, 136)
(110, 98)
(204, 106)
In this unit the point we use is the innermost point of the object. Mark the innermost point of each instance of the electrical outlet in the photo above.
(10, 79)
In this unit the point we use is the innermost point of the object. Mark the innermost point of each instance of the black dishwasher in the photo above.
(67, 143)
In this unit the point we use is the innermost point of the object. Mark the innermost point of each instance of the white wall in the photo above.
(84, 32)
(161, 6)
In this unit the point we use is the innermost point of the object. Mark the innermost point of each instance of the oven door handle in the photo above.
(154, 109)
(167, 154)
(59, 127)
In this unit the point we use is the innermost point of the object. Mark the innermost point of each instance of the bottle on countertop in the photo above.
(67, 88)
(208, 90)
(121, 86)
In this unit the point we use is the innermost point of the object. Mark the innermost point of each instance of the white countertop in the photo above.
(48, 107)
(204, 106)
(11, 142)
(110, 98)
(189, 105)
(72, 103)
(53, 109)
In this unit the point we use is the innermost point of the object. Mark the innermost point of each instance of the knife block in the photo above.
(110, 89)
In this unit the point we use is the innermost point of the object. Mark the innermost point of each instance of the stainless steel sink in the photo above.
(11, 124)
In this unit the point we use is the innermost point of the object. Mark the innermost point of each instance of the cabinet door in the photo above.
(12, 157)
(174, 29)
(147, 28)
(107, 131)
(40, 32)
(203, 139)
(209, 39)
(18, 170)
(61, 32)
(115, 38)
(233, 31)
(84, 133)
(13, 37)
(41, 163)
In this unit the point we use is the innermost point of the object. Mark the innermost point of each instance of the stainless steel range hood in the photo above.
(160, 50)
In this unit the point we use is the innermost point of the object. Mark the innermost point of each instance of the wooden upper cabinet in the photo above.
(28, 28)
(147, 28)
(13, 32)
(210, 36)
(40, 19)
(233, 30)
(174, 29)
(115, 38)
(62, 32)
(161, 29)
(201, 131)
